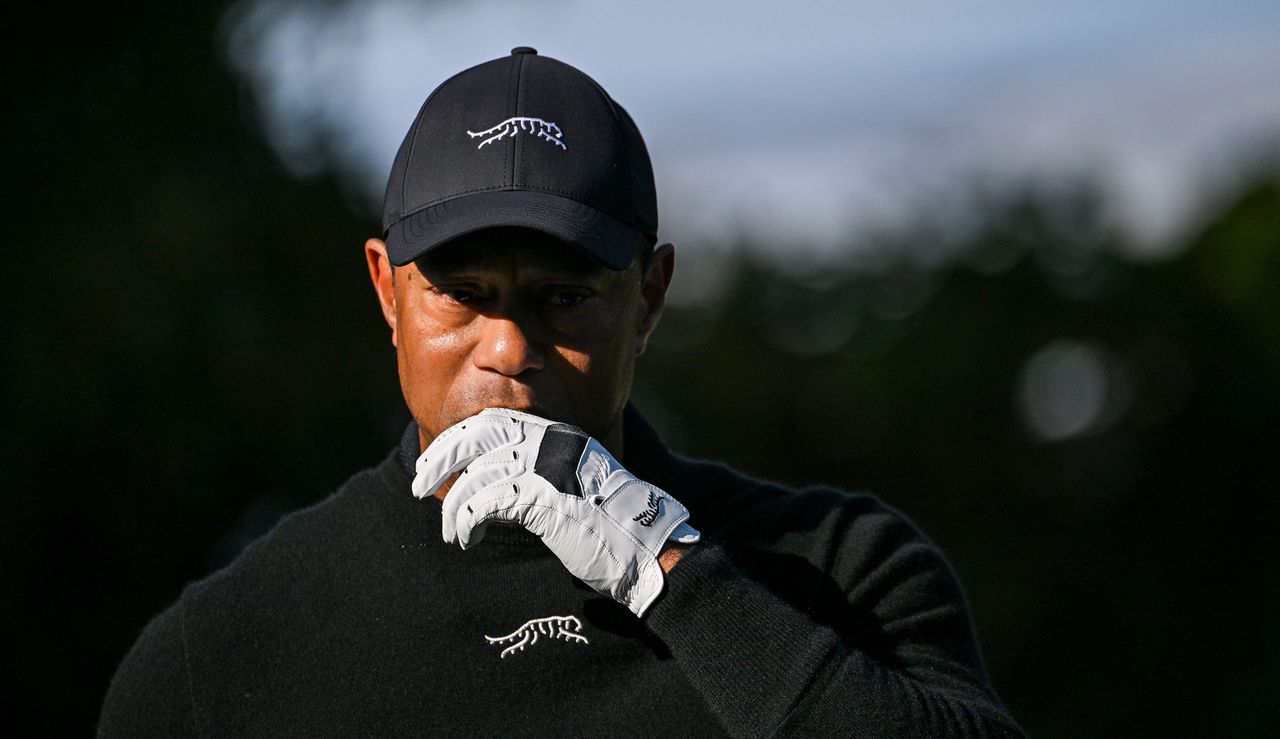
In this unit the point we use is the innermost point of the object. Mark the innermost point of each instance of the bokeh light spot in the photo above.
(1063, 390)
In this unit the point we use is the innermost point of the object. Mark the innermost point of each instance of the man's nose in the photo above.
(506, 346)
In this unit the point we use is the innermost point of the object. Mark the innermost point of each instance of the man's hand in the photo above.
(604, 524)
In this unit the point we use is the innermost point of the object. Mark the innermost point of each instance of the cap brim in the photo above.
(598, 234)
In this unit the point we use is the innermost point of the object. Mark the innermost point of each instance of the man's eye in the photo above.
(566, 299)
(458, 294)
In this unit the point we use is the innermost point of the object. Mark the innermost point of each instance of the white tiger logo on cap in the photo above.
(512, 126)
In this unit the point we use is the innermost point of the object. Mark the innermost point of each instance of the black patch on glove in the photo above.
(558, 456)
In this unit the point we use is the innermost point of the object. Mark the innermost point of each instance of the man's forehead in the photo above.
(500, 249)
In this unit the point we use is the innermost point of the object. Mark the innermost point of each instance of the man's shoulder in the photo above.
(298, 558)
(238, 635)
(310, 539)
(828, 526)
(732, 501)
(305, 552)
(836, 530)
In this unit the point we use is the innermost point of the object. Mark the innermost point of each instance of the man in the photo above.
(531, 559)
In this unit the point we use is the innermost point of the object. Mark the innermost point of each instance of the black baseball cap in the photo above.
(526, 141)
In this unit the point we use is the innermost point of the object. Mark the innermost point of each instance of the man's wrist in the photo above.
(671, 554)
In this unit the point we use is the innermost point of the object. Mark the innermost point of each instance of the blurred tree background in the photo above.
(191, 349)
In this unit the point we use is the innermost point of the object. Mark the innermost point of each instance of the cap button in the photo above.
(524, 50)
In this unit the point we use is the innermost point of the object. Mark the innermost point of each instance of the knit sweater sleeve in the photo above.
(150, 694)
(834, 618)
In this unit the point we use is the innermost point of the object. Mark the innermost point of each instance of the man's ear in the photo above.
(653, 291)
(375, 252)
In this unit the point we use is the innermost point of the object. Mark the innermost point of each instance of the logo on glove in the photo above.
(650, 514)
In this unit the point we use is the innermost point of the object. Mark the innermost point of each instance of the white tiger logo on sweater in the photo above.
(554, 627)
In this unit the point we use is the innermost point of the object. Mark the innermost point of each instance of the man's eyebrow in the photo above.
(570, 263)
(574, 269)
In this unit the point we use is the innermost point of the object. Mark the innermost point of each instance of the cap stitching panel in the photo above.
(413, 143)
(621, 148)
(513, 102)
(408, 160)
(517, 143)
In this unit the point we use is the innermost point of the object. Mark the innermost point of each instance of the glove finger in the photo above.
(458, 445)
(489, 468)
(501, 500)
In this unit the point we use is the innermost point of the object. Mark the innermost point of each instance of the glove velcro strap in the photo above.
(645, 512)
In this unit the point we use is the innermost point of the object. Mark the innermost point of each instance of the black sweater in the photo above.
(815, 612)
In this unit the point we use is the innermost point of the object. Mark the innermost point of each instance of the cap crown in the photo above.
(523, 123)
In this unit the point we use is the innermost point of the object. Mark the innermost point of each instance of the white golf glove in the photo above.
(604, 524)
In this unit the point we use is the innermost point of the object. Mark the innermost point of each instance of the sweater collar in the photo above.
(407, 451)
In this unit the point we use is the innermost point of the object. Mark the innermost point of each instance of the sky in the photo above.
(809, 123)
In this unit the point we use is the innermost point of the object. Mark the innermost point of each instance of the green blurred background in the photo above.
(191, 349)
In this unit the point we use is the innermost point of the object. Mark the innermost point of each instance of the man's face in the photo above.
(515, 319)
